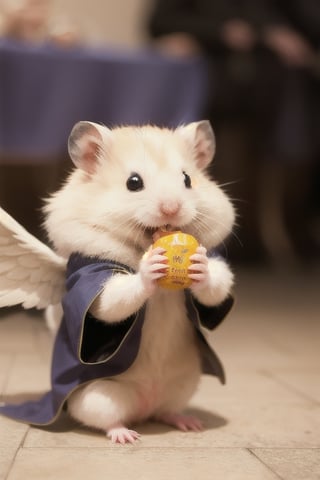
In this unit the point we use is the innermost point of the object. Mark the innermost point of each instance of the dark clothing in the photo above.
(203, 19)
(255, 85)
(87, 349)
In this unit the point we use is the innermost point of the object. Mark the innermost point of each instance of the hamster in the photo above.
(128, 183)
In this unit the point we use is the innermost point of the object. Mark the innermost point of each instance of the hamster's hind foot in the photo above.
(185, 423)
(121, 434)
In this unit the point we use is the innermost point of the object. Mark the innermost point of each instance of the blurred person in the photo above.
(33, 21)
(261, 56)
(25, 19)
(291, 30)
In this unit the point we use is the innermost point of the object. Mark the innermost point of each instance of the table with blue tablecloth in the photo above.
(44, 90)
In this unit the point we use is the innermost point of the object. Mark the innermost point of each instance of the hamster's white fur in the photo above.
(96, 213)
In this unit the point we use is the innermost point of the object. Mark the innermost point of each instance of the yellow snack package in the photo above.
(179, 247)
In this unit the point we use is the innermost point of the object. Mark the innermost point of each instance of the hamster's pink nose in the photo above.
(170, 208)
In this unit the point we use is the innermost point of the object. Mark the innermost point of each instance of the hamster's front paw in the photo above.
(152, 267)
(199, 269)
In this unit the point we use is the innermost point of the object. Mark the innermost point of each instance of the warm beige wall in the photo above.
(113, 21)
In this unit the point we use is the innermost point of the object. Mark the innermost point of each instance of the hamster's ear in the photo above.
(85, 142)
(200, 135)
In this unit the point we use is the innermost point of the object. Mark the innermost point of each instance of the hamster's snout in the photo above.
(169, 209)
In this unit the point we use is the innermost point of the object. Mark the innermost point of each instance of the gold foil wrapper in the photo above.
(179, 248)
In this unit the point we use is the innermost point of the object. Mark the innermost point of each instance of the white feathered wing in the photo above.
(31, 273)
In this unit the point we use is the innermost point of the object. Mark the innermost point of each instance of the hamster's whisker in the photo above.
(226, 184)
(118, 221)
(133, 228)
(232, 233)
(134, 231)
(202, 225)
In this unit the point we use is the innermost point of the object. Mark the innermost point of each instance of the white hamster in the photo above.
(129, 182)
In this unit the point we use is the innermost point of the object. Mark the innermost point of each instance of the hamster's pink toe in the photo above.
(123, 435)
(182, 422)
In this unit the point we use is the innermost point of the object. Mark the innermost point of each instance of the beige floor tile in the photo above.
(253, 389)
(244, 386)
(152, 435)
(29, 374)
(259, 357)
(252, 340)
(250, 350)
(228, 426)
(67, 435)
(267, 424)
(269, 346)
(11, 437)
(138, 463)
(304, 381)
(6, 361)
(18, 330)
(44, 342)
(292, 464)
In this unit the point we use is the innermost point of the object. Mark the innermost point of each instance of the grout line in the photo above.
(16, 453)
(289, 387)
(252, 452)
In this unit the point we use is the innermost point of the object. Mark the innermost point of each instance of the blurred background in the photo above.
(251, 67)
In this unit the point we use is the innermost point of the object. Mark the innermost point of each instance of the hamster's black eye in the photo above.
(135, 183)
(187, 180)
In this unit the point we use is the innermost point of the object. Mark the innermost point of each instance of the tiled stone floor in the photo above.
(263, 425)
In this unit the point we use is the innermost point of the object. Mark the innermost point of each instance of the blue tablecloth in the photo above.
(45, 90)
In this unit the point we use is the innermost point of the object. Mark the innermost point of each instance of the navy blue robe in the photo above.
(87, 349)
